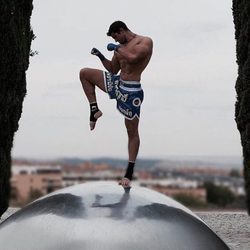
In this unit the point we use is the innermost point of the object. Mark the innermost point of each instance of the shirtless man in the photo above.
(130, 56)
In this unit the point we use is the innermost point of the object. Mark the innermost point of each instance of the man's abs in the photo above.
(130, 77)
(132, 72)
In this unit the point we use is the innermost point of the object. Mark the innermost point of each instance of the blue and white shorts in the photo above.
(128, 94)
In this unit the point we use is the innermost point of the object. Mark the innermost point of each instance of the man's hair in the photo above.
(116, 26)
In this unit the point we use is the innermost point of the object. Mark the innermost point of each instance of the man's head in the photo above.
(116, 27)
(117, 31)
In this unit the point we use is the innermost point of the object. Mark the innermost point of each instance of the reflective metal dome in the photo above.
(101, 216)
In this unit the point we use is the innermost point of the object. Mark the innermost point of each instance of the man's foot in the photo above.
(95, 113)
(124, 182)
(92, 122)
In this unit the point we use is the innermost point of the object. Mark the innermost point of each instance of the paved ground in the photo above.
(232, 227)
(9, 212)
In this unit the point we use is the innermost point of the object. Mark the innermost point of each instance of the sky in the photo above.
(189, 93)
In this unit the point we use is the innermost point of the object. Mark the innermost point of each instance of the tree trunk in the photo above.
(241, 15)
(15, 40)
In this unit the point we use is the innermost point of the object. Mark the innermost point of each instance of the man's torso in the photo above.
(132, 71)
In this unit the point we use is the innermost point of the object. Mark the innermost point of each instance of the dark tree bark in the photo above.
(15, 40)
(241, 15)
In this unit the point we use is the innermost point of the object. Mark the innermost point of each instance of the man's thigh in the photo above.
(132, 126)
(95, 76)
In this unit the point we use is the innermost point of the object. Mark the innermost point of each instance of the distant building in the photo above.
(172, 187)
(28, 181)
(74, 177)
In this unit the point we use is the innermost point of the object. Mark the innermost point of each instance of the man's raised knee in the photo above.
(82, 73)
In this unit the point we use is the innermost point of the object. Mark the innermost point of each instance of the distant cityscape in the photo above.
(195, 183)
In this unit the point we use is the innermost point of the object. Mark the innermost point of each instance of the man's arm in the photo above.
(112, 66)
(137, 52)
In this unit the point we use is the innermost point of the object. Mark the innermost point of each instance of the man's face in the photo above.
(119, 37)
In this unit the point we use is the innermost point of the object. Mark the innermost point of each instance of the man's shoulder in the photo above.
(148, 42)
(145, 39)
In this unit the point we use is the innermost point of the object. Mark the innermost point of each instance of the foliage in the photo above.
(235, 173)
(15, 39)
(189, 200)
(34, 194)
(241, 16)
(219, 195)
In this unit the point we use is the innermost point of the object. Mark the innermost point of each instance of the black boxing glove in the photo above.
(97, 53)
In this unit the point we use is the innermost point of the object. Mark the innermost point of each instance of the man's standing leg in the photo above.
(89, 79)
(133, 148)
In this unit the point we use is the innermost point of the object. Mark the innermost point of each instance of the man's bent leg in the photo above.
(89, 79)
(133, 148)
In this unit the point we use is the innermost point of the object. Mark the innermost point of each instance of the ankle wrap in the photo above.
(93, 110)
(130, 171)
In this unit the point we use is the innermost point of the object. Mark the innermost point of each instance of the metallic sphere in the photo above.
(101, 216)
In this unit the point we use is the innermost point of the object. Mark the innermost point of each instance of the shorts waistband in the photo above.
(130, 84)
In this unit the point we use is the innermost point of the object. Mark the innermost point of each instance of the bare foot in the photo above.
(97, 115)
(125, 182)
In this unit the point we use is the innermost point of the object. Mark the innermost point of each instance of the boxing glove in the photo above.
(112, 46)
(96, 52)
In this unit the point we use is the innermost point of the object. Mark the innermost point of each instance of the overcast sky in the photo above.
(189, 84)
